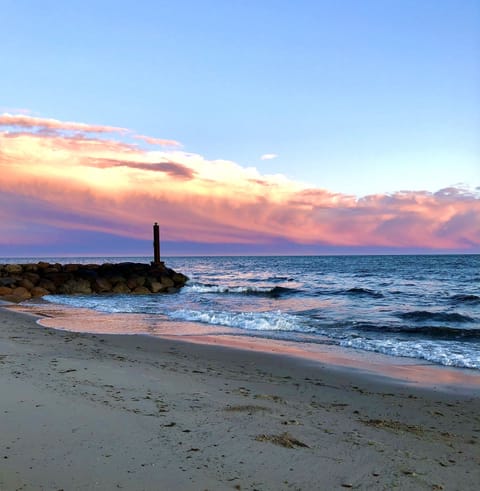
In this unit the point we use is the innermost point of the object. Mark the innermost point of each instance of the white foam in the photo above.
(255, 321)
(201, 288)
(442, 352)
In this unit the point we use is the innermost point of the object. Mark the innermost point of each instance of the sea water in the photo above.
(423, 307)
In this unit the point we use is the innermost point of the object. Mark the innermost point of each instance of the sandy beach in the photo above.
(90, 411)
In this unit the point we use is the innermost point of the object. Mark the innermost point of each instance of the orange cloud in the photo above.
(69, 181)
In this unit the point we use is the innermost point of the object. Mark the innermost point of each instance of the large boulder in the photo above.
(38, 291)
(47, 285)
(157, 287)
(135, 281)
(5, 290)
(141, 290)
(102, 285)
(179, 278)
(75, 286)
(8, 281)
(22, 293)
(31, 276)
(13, 268)
(26, 283)
(121, 288)
(166, 281)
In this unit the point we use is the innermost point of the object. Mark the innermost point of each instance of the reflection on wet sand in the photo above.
(403, 370)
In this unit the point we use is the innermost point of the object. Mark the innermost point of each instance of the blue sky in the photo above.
(356, 97)
(304, 126)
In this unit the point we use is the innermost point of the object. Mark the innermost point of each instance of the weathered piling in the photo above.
(156, 244)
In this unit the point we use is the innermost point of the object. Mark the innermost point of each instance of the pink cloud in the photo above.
(158, 141)
(25, 121)
(174, 170)
(104, 185)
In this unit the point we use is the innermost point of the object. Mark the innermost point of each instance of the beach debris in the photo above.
(243, 391)
(250, 408)
(273, 398)
(283, 440)
(394, 426)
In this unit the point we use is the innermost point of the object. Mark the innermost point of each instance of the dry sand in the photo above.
(84, 411)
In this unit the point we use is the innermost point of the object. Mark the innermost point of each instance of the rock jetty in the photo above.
(19, 282)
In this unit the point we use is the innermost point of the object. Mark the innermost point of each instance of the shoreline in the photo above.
(94, 411)
(395, 370)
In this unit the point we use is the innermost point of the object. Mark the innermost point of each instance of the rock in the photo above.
(33, 277)
(117, 279)
(13, 268)
(102, 285)
(38, 291)
(21, 281)
(5, 290)
(81, 286)
(7, 282)
(26, 283)
(58, 278)
(156, 287)
(12, 298)
(141, 290)
(166, 281)
(121, 288)
(135, 281)
(75, 286)
(179, 278)
(47, 285)
(21, 292)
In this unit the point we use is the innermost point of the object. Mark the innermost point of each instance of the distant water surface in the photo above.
(424, 307)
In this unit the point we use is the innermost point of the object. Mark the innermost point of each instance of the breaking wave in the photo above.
(253, 321)
(274, 292)
(442, 352)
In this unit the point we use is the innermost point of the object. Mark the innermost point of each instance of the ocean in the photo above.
(425, 307)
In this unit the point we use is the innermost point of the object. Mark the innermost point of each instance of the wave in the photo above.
(273, 292)
(364, 291)
(351, 291)
(424, 315)
(465, 298)
(441, 352)
(437, 332)
(254, 321)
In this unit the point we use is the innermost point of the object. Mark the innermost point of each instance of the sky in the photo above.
(242, 127)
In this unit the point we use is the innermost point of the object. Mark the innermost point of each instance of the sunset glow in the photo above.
(76, 176)
(306, 127)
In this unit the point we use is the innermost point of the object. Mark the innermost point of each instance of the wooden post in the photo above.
(156, 244)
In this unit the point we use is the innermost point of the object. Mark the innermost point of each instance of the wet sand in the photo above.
(94, 411)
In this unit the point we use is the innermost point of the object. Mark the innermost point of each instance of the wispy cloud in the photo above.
(268, 156)
(158, 141)
(25, 121)
(100, 183)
